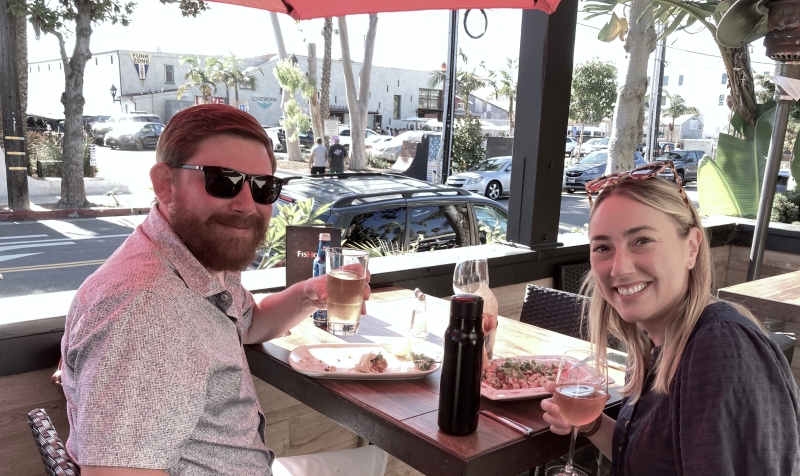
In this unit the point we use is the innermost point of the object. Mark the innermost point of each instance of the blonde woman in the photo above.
(706, 392)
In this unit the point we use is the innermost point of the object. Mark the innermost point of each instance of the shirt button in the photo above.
(224, 297)
(626, 423)
(620, 450)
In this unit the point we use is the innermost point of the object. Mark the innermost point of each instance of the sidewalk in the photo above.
(41, 206)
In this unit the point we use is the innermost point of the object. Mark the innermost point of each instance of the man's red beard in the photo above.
(206, 240)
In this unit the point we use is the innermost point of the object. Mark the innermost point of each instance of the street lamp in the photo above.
(114, 94)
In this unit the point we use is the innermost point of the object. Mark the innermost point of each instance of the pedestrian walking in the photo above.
(318, 159)
(337, 153)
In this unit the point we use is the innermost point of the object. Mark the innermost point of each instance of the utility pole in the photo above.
(13, 128)
(656, 85)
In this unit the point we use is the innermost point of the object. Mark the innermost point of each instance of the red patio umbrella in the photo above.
(307, 9)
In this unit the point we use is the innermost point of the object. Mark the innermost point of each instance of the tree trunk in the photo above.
(21, 25)
(292, 146)
(740, 80)
(358, 104)
(626, 132)
(73, 193)
(316, 120)
(511, 116)
(325, 86)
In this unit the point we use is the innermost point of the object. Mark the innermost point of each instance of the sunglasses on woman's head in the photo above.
(222, 182)
(643, 172)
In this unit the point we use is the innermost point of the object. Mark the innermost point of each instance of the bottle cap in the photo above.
(324, 237)
(466, 306)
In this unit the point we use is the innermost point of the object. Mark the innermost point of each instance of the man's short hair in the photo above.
(319, 140)
(189, 127)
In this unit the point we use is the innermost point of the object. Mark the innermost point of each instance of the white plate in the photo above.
(312, 360)
(523, 393)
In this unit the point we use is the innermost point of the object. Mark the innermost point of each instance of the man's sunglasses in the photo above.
(227, 183)
(646, 171)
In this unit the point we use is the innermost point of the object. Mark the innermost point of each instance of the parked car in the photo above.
(100, 129)
(398, 211)
(390, 150)
(278, 137)
(686, 162)
(491, 177)
(595, 145)
(594, 166)
(345, 139)
(134, 134)
(571, 144)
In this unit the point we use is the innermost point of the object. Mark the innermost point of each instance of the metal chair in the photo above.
(54, 456)
(558, 311)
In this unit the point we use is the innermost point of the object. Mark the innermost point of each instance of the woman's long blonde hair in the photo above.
(665, 197)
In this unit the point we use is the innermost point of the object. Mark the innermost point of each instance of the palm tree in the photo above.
(677, 108)
(232, 75)
(200, 77)
(466, 81)
(506, 87)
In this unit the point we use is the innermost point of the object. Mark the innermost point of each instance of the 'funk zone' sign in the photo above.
(141, 61)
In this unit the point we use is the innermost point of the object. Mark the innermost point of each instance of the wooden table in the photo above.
(776, 297)
(401, 416)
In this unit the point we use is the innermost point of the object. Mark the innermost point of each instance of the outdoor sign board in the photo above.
(301, 249)
(331, 127)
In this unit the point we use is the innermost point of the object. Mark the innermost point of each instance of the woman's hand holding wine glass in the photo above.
(580, 393)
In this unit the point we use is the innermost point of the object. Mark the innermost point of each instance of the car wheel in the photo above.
(683, 181)
(138, 144)
(570, 190)
(494, 190)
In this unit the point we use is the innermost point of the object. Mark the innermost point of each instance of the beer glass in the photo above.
(346, 277)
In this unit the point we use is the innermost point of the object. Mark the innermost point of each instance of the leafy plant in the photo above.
(378, 248)
(294, 79)
(467, 144)
(783, 210)
(594, 93)
(300, 213)
(113, 194)
(732, 185)
(376, 162)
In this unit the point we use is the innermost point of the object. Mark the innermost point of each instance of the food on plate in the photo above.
(422, 361)
(372, 363)
(520, 373)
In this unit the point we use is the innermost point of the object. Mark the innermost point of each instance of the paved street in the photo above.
(57, 255)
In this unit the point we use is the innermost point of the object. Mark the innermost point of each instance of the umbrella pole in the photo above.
(450, 87)
(770, 181)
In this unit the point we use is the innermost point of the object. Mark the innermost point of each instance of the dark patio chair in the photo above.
(569, 277)
(54, 456)
(558, 311)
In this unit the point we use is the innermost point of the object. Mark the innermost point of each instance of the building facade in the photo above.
(149, 81)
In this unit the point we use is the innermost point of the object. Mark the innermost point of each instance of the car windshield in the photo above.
(596, 158)
(491, 165)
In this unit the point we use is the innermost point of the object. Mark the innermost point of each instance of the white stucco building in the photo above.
(148, 81)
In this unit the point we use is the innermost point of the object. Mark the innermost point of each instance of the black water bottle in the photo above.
(460, 388)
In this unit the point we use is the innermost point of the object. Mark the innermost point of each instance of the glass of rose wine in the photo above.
(581, 393)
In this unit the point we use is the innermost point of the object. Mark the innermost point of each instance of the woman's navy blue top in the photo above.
(733, 408)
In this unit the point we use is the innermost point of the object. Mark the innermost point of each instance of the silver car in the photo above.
(491, 178)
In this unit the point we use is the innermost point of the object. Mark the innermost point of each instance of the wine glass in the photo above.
(470, 274)
(581, 393)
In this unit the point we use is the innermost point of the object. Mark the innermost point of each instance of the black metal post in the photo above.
(656, 89)
(12, 127)
(545, 79)
(788, 70)
(449, 95)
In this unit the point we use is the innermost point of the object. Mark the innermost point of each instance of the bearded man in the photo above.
(154, 370)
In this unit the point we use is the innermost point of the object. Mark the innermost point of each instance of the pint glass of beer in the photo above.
(346, 277)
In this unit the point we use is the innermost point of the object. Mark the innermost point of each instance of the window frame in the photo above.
(169, 70)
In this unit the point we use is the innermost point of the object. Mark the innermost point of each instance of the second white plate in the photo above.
(336, 361)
